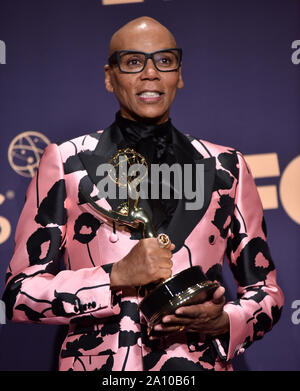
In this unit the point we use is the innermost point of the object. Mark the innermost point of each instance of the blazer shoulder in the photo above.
(216, 149)
(209, 149)
(79, 144)
(227, 157)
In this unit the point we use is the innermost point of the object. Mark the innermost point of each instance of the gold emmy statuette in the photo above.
(190, 286)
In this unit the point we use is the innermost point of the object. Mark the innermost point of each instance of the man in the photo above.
(98, 293)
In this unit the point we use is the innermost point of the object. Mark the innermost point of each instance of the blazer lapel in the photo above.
(183, 221)
(107, 146)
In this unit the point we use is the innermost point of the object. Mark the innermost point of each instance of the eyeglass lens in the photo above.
(134, 62)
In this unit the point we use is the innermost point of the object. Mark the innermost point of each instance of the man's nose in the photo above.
(150, 71)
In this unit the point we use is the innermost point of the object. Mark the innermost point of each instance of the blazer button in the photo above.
(113, 237)
(211, 239)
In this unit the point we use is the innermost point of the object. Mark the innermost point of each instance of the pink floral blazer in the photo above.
(64, 251)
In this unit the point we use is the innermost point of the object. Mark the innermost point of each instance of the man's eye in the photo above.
(165, 60)
(133, 61)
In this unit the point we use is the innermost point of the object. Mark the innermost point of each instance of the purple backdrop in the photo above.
(241, 69)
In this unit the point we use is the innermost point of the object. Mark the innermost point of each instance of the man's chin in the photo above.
(151, 118)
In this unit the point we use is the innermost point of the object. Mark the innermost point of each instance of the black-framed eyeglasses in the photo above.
(134, 61)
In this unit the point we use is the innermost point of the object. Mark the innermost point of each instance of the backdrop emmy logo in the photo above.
(25, 151)
(2, 52)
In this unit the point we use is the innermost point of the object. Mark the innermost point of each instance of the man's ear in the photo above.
(108, 83)
(180, 83)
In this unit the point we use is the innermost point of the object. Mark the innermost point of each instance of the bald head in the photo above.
(144, 28)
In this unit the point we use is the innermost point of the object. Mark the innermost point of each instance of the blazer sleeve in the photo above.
(37, 288)
(259, 298)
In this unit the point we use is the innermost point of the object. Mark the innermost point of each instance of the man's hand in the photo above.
(207, 318)
(145, 263)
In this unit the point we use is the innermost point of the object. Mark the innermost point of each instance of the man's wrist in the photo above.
(222, 324)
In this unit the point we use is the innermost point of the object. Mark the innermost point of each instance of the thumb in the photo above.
(218, 295)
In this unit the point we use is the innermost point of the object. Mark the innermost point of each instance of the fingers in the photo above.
(170, 246)
(192, 311)
(170, 325)
(203, 318)
(165, 269)
(166, 263)
(162, 275)
(145, 263)
(151, 245)
(218, 296)
(211, 308)
(166, 329)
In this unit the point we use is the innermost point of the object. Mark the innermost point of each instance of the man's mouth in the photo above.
(150, 96)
